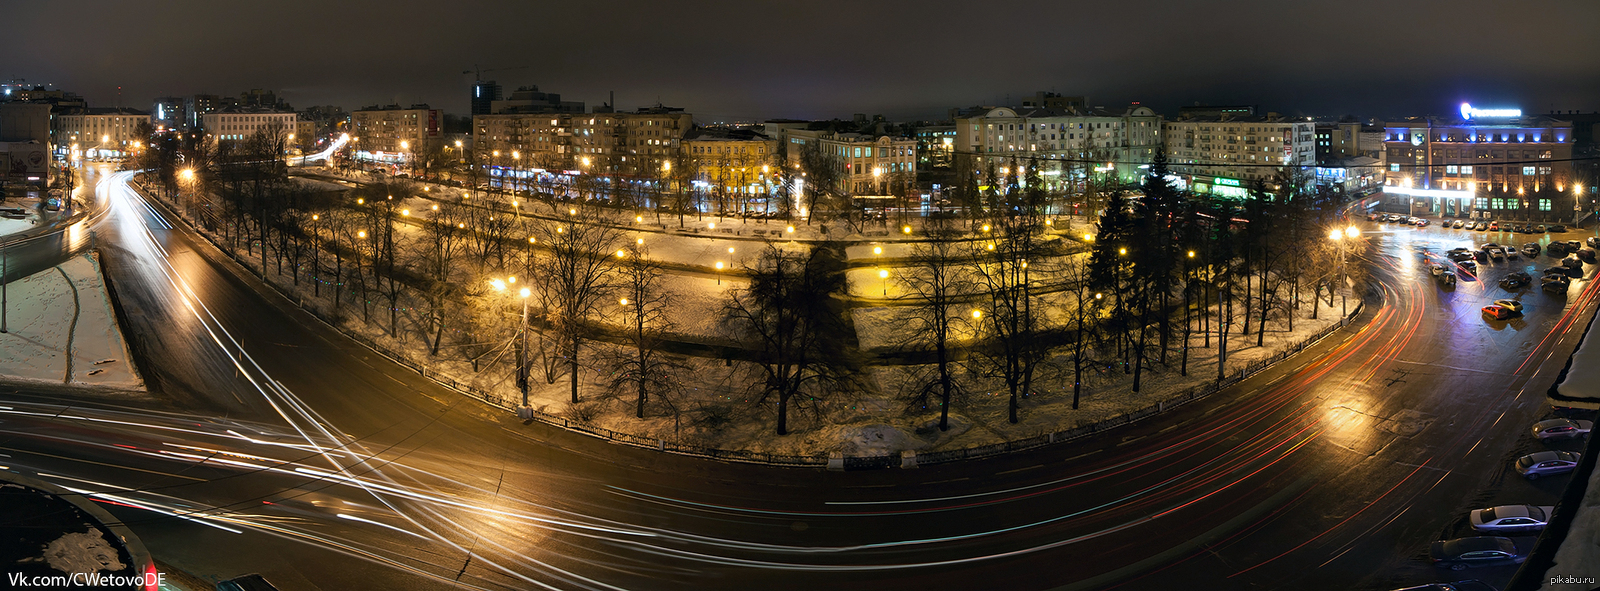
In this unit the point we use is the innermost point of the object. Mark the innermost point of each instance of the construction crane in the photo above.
(477, 73)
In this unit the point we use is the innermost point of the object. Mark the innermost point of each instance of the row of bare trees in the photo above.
(1009, 305)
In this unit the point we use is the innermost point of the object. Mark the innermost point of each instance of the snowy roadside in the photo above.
(61, 329)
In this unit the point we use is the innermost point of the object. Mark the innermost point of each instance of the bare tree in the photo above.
(575, 276)
(644, 368)
(938, 278)
(789, 319)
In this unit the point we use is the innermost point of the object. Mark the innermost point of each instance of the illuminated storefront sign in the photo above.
(1468, 112)
(1226, 181)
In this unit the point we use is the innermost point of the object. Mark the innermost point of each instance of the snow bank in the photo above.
(41, 315)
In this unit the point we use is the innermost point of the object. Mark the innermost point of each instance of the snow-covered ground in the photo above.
(717, 412)
(61, 329)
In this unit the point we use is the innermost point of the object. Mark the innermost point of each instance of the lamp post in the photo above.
(719, 272)
(884, 275)
(1341, 237)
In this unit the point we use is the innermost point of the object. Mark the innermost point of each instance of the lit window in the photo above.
(1528, 171)
(1544, 205)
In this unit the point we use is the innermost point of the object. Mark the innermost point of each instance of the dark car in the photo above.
(1586, 255)
(1481, 256)
(1516, 280)
(1467, 585)
(1573, 262)
(1574, 245)
(1531, 249)
(1464, 553)
(1547, 463)
(1555, 284)
(1556, 249)
(1557, 228)
(1468, 266)
(1592, 241)
(250, 582)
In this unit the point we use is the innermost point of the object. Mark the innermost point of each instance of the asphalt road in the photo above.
(276, 446)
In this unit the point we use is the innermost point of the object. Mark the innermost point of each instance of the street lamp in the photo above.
(719, 272)
(1340, 238)
(884, 275)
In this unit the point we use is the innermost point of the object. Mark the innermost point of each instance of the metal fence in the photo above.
(814, 460)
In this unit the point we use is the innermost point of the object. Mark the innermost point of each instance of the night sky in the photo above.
(822, 58)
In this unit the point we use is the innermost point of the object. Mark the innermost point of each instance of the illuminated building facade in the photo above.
(101, 133)
(1227, 155)
(1116, 142)
(239, 123)
(1495, 163)
(394, 134)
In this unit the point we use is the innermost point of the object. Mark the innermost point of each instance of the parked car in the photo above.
(1586, 255)
(1468, 266)
(1498, 312)
(1547, 463)
(1481, 226)
(1574, 245)
(1513, 305)
(1463, 553)
(1561, 429)
(1556, 249)
(1592, 242)
(1515, 280)
(1448, 279)
(1540, 228)
(1531, 249)
(1555, 284)
(1458, 256)
(1496, 253)
(1510, 518)
(1458, 224)
(1436, 269)
(1557, 228)
(1494, 226)
(250, 582)
(1421, 222)
(1572, 262)
(1480, 256)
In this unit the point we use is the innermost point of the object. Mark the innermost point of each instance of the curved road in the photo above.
(276, 446)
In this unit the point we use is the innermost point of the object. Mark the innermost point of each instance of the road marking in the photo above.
(1019, 469)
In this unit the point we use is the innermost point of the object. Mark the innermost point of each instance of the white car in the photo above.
(1511, 518)
(1561, 428)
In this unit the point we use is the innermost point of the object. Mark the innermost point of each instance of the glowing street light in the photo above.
(884, 275)
(976, 314)
(719, 272)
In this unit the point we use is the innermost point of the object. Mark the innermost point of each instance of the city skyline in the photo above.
(806, 62)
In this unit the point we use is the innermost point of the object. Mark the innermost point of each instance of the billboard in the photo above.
(24, 160)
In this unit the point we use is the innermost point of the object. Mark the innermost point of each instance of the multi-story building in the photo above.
(59, 100)
(731, 162)
(202, 104)
(25, 142)
(528, 99)
(1227, 155)
(393, 134)
(484, 94)
(1493, 163)
(101, 134)
(870, 164)
(649, 136)
(1123, 140)
(169, 113)
(936, 146)
(239, 123)
(1337, 140)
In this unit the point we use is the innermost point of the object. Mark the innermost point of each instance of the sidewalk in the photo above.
(61, 329)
